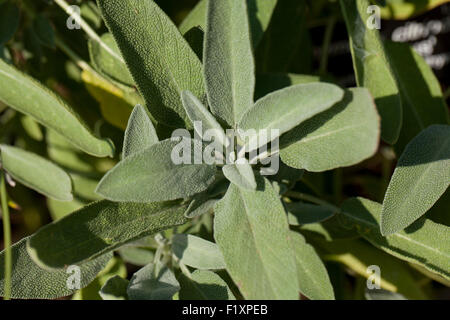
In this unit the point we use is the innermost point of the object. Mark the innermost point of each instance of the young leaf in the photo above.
(196, 111)
(228, 58)
(103, 227)
(152, 175)
(109, 64)
(241, 174)
(204, 285)
(312, 276)
(140, 133)
(422, 100)
(197, 253)
(424, 243)
(421, 177)
(9, 21)
(286, 108)
(372, 68)
(36, 173)
(342, 136)
(135, 255)
(251, 230)
(29, 281)
(159, 58)
(28, 96)
(300, 213)
(115, 288)
(151, 284)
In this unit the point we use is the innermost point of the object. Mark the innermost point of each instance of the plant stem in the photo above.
(85, 26)
(6, 235)
(72, 55)
(326, 44)
(310, 198)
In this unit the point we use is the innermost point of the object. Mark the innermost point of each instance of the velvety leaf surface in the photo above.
(421, 177)
(269, 82)
(140, 133)
(101, 227)
(29, 281)
(115, 288)
(228, 59)
(28, 96)
(135, 255)
(287, 108)
(300, 213)
(36, 173)
(241, 174)
(312, 276)
(372, 67)
(159, 58)
(197, 252)
(204, 285)
(344, 135)
(263, 267)
(151, 284)
(151, 175)
(424, 243)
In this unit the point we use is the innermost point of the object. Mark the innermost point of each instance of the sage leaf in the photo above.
(422, 99)
(255, 222)
(204, 285)
(270, 82)
(341, 136)
(9, 21)
(372, 67)
(135, 255)
(380, 294)
(140, 133)
(151, 284)
(159, 58)
(241, 174)
(28, 96)
(300, 213)
(108, 64)
(313, 278)
(197, 252)
(421, 177)
(115, 288)
(200, 204)
(424, 243)
(286, 108)
(228, 59)
(152, 175)
(103, 227)
(196, 111)
(36, 173)
(29, 281)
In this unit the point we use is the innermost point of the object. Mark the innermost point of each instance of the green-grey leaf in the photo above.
(241, 174)
(109, 64)
(286, 108)
(152, 175)
(269, 82)
(149, 284)
(99, 228)
(259, 14)
(9, 21)
(312, 276)
(135, 255)
(140, 133)
(29, 281)
(342, 136)
(251, 230)
(115, 288)
(196, 111)
(424, 243)
(201, 203)
(228, 58)
(197, 252)
(36, 173)
(300, 213)
(421, 177)
(159, 58)
(372, 67)
(422, 99)
(204, 285)
(28, 96)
